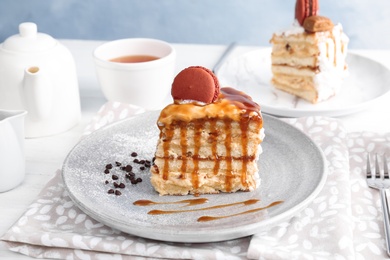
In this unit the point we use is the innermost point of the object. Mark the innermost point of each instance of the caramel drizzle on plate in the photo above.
(189, 202)
(198, 201)
(210, 218)
(160, 212)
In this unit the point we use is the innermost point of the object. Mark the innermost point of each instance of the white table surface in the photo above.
(45, 155)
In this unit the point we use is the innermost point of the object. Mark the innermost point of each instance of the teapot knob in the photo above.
(28, 40)
(28, 29)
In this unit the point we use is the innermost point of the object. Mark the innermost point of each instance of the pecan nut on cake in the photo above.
(209, 138)
(308, 59)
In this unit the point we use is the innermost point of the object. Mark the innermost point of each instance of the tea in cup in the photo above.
(136, 71)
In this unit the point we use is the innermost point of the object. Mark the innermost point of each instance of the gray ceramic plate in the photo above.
(291, 168)
(250, 72)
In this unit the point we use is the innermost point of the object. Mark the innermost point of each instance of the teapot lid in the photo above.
(29, 40)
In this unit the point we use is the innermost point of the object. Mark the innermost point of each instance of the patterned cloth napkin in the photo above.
(343, 222)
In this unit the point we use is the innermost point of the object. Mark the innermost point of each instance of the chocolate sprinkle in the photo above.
(128, 173)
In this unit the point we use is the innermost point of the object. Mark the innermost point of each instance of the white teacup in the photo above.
(142, 83)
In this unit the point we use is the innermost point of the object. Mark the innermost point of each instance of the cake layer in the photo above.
(204, 176)
(291, 48)
(304, 91)
(215, 137)
(306, 87)
(295, 61)
(294, 71)
(294, 82)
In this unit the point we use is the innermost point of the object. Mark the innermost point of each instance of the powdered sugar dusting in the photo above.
(85, 181)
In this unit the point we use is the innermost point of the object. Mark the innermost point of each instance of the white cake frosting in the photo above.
(331, 63)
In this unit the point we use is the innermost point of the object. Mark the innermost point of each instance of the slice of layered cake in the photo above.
(308, 60)
(209, 138)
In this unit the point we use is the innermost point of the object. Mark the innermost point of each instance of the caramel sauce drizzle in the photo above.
(228, 140)
(245, 203)
(335, 50)
(189, 202)
(183, 144)
(244, 143)
(210, 218)
(197, 137)
(198, 201)
(167, 140)
(240, 100)
(214, 152)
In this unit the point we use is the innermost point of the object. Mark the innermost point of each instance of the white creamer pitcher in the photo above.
(12, 159)
(38, 74)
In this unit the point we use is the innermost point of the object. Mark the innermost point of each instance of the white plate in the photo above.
(291, 168)
(368, 80)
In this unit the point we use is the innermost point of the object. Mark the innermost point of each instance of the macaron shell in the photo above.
(195, 83)
(313, 8)
(305, 8)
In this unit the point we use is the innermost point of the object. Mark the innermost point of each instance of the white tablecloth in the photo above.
(343, 222)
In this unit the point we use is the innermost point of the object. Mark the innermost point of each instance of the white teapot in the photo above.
(38, 74)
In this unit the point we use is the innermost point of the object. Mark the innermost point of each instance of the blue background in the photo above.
(249, 22)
